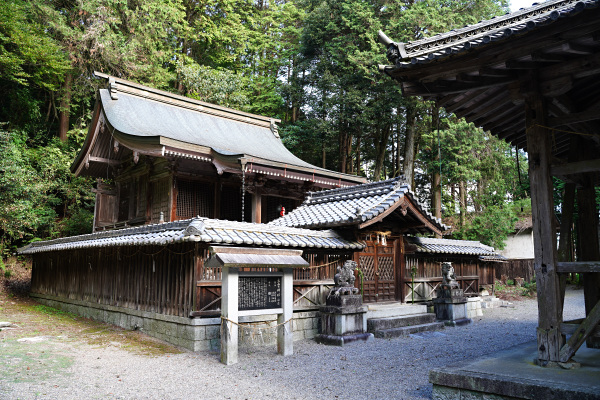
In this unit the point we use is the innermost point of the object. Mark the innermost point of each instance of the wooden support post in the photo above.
(549, 338)
(588, 239)
(256, 206)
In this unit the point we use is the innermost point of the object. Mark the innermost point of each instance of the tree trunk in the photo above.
(410, 141)
(462, 194)
(65, 108)
(380, 147)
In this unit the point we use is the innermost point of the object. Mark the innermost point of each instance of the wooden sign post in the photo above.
(255, 282)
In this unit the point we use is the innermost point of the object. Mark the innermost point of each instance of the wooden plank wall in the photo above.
(520, 268)
(146, 278)
(429, 275)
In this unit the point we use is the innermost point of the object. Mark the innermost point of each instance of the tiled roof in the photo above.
(206, 230)
(405, 55)
(353, 206)
(450, 246)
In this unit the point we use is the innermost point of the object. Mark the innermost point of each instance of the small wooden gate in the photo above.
(378, 266)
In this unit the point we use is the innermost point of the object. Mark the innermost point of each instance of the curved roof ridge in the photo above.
(330, 194)
(484, 32)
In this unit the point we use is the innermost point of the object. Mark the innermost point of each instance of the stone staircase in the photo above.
(395, 320)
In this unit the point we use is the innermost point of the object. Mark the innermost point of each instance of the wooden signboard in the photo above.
(256, 292)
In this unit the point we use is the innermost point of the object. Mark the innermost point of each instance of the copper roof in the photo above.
(134, 118)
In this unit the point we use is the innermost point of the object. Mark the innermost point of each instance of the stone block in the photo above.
(213, 332)
(445, 393)
(299, 335)
(470, 395)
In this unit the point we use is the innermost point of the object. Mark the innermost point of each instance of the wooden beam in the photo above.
(448, 87)
(581, 334)
(570, 327)
(579, 167)
(467, 98)
(588, 115)
(578, 267)
(104, 160)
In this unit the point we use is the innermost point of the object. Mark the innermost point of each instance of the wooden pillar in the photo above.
(256, 206)
(549, 338)
(588, 236)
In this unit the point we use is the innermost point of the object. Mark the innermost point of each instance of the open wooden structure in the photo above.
(532, 78)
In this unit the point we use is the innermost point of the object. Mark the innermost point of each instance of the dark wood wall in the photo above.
(146, 278)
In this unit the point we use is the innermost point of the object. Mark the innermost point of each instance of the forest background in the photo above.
(311, 63)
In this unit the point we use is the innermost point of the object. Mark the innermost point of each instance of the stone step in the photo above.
(385, 310)
(378, 324)
(407, 330)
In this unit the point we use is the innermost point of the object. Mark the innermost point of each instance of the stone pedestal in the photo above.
(343, 320)
(451, 306)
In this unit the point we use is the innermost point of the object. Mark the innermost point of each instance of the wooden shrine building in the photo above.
(156, 153)
(177, 176)
(531, 77)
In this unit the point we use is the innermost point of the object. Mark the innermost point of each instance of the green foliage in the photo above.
(211, 85)
(36, 188)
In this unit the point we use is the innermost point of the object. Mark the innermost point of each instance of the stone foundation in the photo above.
(196, 334)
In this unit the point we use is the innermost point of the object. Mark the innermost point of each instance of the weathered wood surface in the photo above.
(428, 275)
(519, 268)
(145, 278)
(539, 151)
(578, 267)
(584, 331)
(570, 327)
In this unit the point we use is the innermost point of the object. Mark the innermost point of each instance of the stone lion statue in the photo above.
(448, 276)
(344, 279)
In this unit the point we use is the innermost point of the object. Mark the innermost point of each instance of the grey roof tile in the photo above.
(498, 28)
(354, 205)
(199, 230)
(451, 246)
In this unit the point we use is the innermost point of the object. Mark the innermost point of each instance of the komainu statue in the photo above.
(344, 279)
(448, 276)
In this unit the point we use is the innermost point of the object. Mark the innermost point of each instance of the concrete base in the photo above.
(196, 334)
(512, 374)
(335, 340)
(458, 322)
(453, 311)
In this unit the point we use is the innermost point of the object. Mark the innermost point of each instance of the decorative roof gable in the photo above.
(363, 205)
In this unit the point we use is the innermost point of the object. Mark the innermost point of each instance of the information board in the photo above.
(259, 292)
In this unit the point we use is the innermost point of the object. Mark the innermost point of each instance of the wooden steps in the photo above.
(398, 326)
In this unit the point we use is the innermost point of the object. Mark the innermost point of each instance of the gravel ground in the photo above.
(381, 369)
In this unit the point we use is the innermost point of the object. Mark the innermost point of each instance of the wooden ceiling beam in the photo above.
(473, 96)
(579, 167)
(447, 87)
(585, 116)
(490, 100)
(497, 114)
(575, 48)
